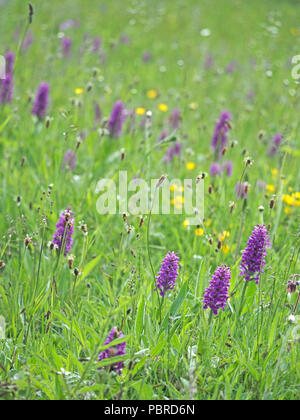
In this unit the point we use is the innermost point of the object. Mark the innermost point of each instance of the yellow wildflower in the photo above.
(190, 166)
(287, 199)
(78, 91)
(163, 107)
(270, 188)
(199, 232)
(152, 94)
(224, 235)
(225, 248)
(186, 223)
(140, 111)
(193, 106)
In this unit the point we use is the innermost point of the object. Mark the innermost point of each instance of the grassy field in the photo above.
(56, 311)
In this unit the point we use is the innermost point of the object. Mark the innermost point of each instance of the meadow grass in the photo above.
(56, 322)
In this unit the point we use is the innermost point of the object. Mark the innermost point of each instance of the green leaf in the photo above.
(89, 267)
(139, 323)
(2, 328)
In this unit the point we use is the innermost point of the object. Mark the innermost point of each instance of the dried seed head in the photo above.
(261, 209)
(210, 189)
(272, 203)
(203, 175)
(2, 265)
(76, 272)
(248, 161)
(161, 181)
(31, 13)
(231, 206)
(27, 241)
(71, 259)
(123, 154)
(293, 283)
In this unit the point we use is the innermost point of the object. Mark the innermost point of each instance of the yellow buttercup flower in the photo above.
(270, 188)
(274, 172)
(140, 111)
(225, 248)
(78, 91)
(287, 210)
(152, 94)
(173, 187)
(163, 107)
(287, 199)
(179, 199)
(186, 223)
(193, 106)
(190, 166)
(207, 222)
(199, 232)
(224, 235)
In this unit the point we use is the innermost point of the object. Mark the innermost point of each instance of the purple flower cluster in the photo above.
(114, 351)
(96, 44)
(253, 258)
(216, 169)
(241, 190)
(231, 67)
(9, 59)
(66, 44)
(165, 280)
(146, 57)
(68, 24)
(216, 295)
(275, 144)
(227, 167)
(62, 238)
(172, 152)
(219, 139)
(69, 161)
(117, 119)
(7, 84)
(163, 135)
(41, 102)
(175, 118)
